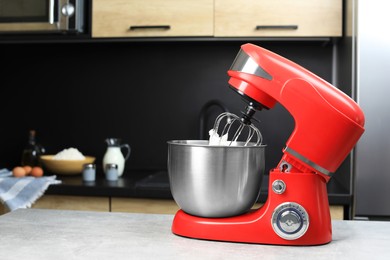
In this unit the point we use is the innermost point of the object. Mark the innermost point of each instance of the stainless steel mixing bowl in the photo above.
(215, 181)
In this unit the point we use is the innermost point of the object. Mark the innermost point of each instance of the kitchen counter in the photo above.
(155, 184)
(58, 234)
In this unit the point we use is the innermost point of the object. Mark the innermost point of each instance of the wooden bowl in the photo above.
(65, 167)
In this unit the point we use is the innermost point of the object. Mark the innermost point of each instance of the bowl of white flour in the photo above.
(69, 161)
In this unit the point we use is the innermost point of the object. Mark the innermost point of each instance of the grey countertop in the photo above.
(59, 234)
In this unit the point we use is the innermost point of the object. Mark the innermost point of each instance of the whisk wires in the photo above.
(231, 119)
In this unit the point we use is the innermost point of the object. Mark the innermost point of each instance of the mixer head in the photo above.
(328, 123)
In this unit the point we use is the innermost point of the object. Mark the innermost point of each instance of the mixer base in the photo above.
(298, 216)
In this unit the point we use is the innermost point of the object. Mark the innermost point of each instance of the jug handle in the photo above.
(128, 150)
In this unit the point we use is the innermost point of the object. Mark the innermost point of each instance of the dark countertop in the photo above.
(155, 184)
(139, 183)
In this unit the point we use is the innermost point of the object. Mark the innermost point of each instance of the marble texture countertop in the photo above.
(60, 234)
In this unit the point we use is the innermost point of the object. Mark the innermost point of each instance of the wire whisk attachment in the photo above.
(237, 124)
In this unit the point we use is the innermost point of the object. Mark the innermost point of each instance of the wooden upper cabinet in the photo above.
(152, 18)
(278, 18)
(217, 18)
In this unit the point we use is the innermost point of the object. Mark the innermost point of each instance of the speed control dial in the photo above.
(290, 220)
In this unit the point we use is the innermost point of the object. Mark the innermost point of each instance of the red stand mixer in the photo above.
(328, 124)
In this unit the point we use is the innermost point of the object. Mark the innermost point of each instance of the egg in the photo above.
(28, 169)
(37, 171)
(18, 171)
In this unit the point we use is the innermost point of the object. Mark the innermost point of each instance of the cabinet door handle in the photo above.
(288, 27)
(145, 27)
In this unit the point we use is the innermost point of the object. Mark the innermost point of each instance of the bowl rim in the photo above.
(49, 157)
(205, 143)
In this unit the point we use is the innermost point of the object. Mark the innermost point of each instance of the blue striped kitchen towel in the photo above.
(22, 192)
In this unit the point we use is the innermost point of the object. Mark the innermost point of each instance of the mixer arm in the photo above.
(328, 123)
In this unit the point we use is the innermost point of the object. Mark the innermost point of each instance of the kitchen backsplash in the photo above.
(78, 94)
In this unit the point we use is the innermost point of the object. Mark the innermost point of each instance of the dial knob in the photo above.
(67, 9)
(290, 220)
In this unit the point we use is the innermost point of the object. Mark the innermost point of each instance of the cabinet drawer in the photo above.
(278, 18)
(152, 18)
(73, 203)
(3, 209)
(134, 205)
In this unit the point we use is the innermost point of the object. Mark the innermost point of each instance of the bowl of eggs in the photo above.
(69, 161)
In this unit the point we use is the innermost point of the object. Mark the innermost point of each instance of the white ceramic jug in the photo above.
(114, 154)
